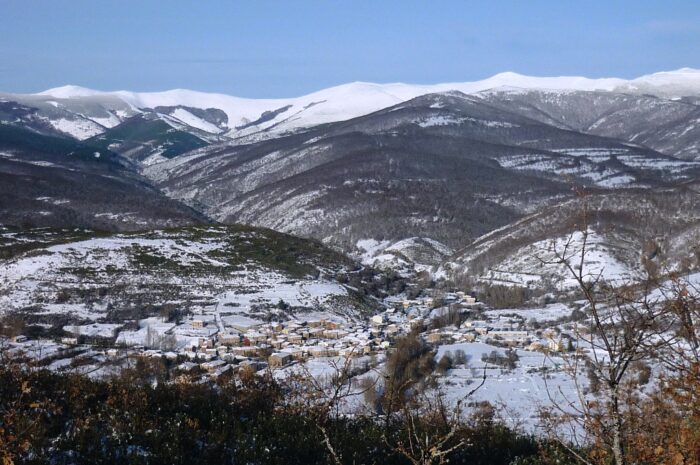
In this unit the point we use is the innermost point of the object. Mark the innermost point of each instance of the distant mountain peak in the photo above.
(263, 118)
(70, 91)
(510, 79)
(680, 71)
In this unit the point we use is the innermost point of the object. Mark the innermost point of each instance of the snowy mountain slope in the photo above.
(80, 117)
(82, 276)
(339, 178)
(52, 181)
(277, 116)
(605, 161)
(626, 226)
(213, 118)
(525, 268)
(449, 167)
(668, 126)
(669, 84)
(86, 116)
(328, 105)
(148, 138)
(406, 257)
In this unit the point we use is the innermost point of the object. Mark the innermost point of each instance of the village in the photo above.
(210, 344)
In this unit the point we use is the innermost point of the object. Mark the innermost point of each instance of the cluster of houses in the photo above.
(215, 344)
(219, 344)
(501, 331)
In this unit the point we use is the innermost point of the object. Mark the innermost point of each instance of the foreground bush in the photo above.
(70, 419)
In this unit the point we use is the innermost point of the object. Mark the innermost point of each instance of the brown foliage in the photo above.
(666, 428)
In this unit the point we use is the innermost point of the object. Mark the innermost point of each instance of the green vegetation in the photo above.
(16, 241)
(25, 140)
(70, 419)
(148, 257)
(150, 133)
(141, 278)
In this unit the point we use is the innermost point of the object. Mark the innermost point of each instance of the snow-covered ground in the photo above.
(81, 129)
(270, 288)
(406, 256)
(165, 268)
(535, 263)
(549, 312)
(518, 394)
(591, 164)
(93, 329)
(193, 121)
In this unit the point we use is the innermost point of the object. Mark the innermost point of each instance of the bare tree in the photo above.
(419, 423)
(622, 328)
(323, 397)
(429, 426)
(21, 409)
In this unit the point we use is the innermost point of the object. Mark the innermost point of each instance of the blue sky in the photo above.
(287, 48)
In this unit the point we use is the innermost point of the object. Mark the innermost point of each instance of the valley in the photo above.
(487, 226)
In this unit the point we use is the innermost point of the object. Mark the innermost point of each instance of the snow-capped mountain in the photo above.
(670, 126)
(338, 103)
(245, 116)
(449, 167)
(414, 169)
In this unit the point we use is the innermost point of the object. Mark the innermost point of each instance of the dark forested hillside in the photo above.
(447, 166)
(58, 182)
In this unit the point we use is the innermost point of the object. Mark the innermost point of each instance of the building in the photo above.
(279, 359)
(230, 338)
(510, 335)
(556, 345)
(187, 366)
(318, 351)
(213, 365)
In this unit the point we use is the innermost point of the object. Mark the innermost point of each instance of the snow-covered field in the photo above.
(549, 312)
(518, 394)
(536, 262)
(93, 330)
(270, 288)
(159, 268)
(405, 256)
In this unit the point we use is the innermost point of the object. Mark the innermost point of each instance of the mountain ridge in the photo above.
(446, 166)
(503, 79)
(350, 100)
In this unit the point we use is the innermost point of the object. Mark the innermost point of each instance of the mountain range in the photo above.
(455, 178)
(83, 112)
